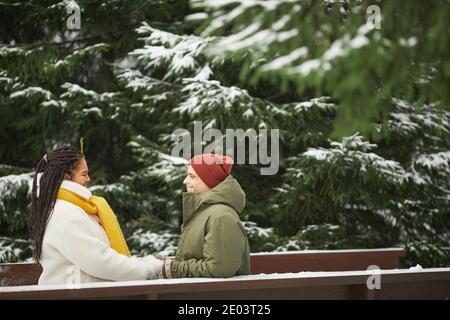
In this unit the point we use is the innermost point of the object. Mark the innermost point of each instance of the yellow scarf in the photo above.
(99, 207)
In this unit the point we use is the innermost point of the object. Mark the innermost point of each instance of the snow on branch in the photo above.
(409, 118)
(438, 162)
(322, 103)
(169, 168)
(180, 55)
(274, 28)
(32, 92)
(354, 151)
(135, 80)
(76, 55)
(11, 183)
(73, 90)
(161, 243)
(13, 250)
(212, 96)
(339, 48)
(241, 9)
(7, 82)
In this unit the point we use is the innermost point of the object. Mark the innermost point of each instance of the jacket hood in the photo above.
(228, 192)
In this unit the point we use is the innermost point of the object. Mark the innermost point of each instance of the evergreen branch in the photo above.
(169, 84)
(17, 4)
(37, 45)
(15, 240)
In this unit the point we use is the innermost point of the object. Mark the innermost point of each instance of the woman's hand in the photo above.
(166, 268)
(156, 266)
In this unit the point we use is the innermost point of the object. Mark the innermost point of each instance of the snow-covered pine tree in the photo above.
(97, 83)
(286, 66)
(390, 85)
(344, 49)
(58, 85)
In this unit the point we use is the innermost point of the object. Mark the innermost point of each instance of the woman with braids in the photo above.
(76, 236)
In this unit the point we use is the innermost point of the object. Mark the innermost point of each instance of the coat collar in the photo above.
(227, 192)
(76, 188)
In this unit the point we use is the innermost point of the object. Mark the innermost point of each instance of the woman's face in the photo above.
(80, 175)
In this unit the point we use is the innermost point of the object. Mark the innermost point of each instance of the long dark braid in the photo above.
(53, 166)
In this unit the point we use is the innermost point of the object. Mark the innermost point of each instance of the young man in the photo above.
(213, 242)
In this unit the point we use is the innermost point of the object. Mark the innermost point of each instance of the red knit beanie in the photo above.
(211, 168)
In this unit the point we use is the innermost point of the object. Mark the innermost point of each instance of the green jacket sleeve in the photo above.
(222, 252)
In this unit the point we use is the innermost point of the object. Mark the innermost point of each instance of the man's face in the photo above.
(193, 183)
(81, 174)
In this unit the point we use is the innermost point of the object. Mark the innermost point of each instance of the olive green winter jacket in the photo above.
(213, 242)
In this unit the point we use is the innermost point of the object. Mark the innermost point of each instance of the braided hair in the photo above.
(47, 180)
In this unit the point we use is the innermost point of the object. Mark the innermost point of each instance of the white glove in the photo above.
(155, 267)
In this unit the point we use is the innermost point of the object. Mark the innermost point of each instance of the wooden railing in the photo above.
(394, 284)
(282, 279)
(326, 260)
(21, 274)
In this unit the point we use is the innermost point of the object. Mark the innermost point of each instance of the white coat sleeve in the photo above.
(80, 245)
